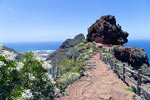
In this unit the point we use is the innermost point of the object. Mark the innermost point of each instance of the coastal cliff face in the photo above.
(65, 49)
(105, 31)
(136, 57)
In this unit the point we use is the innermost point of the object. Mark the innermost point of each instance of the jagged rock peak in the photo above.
(72, 42)
(109, 18)
(105, 30)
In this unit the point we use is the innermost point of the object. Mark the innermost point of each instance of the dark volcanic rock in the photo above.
(65, 50)
(106, 31)
(137, 57)
(72, 42)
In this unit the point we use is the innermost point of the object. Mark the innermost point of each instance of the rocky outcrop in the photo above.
(2, 47)
(72, 42)
(137, 57)
(106, 31)
(65, 49)
(18, 55)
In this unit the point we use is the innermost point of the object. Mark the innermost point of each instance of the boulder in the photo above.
(65, 50)
(105, 31)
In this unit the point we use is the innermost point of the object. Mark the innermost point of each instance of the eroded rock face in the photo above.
(137, 57)
(65, 49)
(106, 31)
(72, 42)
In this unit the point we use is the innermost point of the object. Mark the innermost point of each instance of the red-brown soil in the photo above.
(103, 84)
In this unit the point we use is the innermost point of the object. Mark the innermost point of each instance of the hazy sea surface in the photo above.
(55, 45)
(33, 46)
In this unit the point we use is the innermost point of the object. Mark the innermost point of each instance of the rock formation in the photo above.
(106, 31)
(65, 49)
(137, 57)
(72, 42)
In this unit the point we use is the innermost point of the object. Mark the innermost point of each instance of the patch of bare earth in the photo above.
(103, 84)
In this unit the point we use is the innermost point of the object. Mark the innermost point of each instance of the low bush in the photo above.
(104, 49)
(66, 79)
(70, 65)
(24, 80)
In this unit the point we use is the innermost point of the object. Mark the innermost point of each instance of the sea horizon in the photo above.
(54, 45)
(33, 46)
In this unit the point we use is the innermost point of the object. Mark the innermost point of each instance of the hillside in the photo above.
(101, 84)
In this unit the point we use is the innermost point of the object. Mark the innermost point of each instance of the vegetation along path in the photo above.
(103, 84)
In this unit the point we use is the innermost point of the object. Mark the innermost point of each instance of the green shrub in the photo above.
(85, 41)
(70, 65)
(79, 46)
(86, 57)
(66, 79)
(24, 80)
(107, 55)
(132, 89)
(104, 49)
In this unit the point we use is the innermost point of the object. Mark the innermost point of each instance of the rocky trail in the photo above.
(103, 84)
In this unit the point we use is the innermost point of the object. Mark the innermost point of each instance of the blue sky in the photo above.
(56, 20)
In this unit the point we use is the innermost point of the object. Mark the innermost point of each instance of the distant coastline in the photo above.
(35, 46)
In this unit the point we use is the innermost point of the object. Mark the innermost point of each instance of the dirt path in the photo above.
(101, 85)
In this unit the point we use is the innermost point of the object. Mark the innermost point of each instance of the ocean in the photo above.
(55, 45)
(24, 47)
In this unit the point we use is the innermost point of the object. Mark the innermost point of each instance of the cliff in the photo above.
(65, 49)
